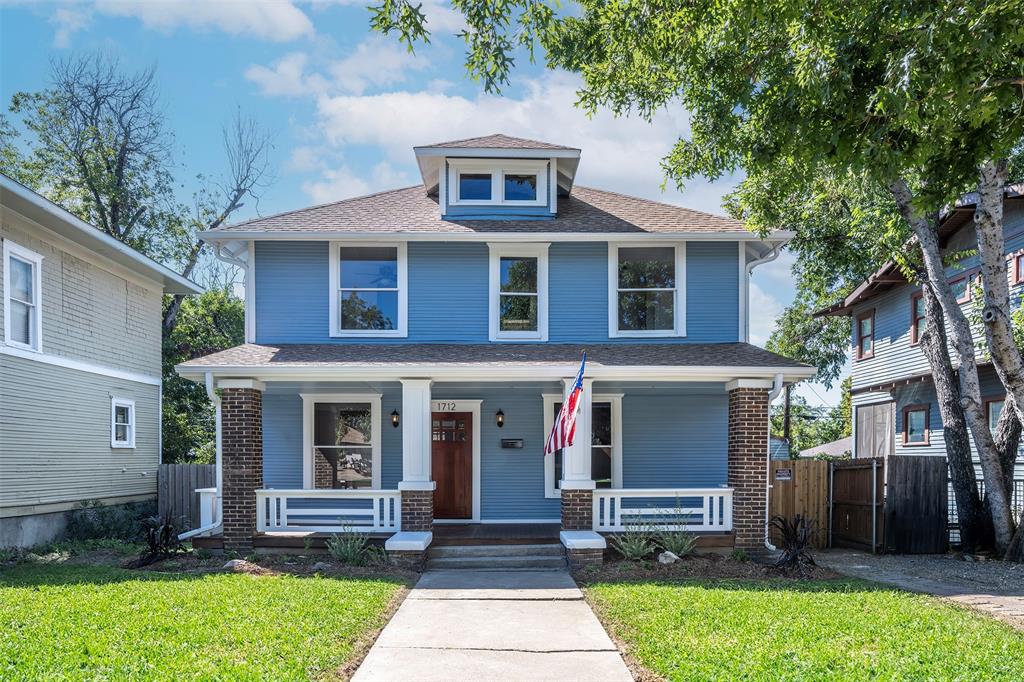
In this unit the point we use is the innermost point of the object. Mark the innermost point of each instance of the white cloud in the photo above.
(378, 61)
(334, 184)
(440, 16)
(69, 20)
(286, 78)
(275, 20)
(622, 154)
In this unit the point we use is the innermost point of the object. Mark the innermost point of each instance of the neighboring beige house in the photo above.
(80, 366)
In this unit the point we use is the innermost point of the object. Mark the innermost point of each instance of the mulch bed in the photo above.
(279, 564)
(701, 567)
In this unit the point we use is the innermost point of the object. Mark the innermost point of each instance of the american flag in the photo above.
(563, 433)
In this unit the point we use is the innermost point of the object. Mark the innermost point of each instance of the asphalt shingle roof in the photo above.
(497, 141)
(498, 355)
(411, 210)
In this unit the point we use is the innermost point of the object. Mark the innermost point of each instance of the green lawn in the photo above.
(849, 630)
(89, 623)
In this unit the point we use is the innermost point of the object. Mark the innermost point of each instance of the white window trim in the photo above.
(36, 260)
(114, 404)
(498, 168)
(678, 298)
(309, 400)
(403, 291)
(550, 399)
(497, 252)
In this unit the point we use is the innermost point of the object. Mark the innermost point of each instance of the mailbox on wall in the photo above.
(512, 443)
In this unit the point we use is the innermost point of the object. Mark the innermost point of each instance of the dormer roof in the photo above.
(430, 157)
(497, 141)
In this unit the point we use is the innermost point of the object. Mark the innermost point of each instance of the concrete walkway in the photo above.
(493, 625)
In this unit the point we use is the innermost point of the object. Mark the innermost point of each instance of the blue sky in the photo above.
(345, 106)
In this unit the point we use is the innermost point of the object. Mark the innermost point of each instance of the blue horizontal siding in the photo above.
(448, 297)
(673, 436)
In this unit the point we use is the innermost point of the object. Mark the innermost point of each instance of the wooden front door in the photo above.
(451, 436)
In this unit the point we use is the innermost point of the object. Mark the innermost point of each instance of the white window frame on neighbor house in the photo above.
(12, 250)
(678, 298)
(114, 404)
(498, 168)
(497, 252)
(615, 399)
(309, 401)
(401, 329)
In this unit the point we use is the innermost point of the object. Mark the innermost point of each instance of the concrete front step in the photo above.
(532, 562)
(437, 552)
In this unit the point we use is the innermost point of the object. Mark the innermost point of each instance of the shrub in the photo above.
(678, 542)
(797, 534)
(161, 541)
(739, 554)
(634, 544)
(352, 548)
(96, 521)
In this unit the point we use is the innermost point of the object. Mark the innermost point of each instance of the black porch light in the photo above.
(499, 418)
(394, 418)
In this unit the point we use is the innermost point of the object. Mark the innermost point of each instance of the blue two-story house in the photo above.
(895, 409)
(407, 352)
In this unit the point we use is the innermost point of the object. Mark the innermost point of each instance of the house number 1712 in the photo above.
(444, 407)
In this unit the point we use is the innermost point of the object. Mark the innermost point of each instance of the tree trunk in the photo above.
(963, 343)
(171, 314)
(971, 513)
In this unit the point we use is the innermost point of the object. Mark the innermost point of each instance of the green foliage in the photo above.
(96, 521)
(635, 544)
(80, 622)
(807, 630)
(352, 548)
(810, 426)
(739, 554)
(678, 542)
(206, 324)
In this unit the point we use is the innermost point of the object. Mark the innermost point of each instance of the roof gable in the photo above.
(496, 141)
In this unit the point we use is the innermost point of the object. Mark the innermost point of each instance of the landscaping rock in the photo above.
(321, 566)
(667, 557)
(233, 564)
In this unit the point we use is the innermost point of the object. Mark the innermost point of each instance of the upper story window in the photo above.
(961, 287)
(993, 410)
(368, 289)
(494, 182)
(865, 335)
(518, 287)
(23, 291)
(917, 321)
(1017, 270)
(122, 423)
(646, 290)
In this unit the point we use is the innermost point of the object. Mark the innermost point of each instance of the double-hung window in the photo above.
(917, 320)
(518, 289)
(342, 441)
(647, 290)
(23, 322)
(865, 333)
(961, 287)
(605, 443)
(368, 289)
(506, 182)
(993, 410)
(122, 423)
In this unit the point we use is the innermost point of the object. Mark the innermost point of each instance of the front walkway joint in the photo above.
(503, 625)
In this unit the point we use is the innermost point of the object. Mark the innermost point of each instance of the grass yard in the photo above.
(787, 630)
(99, 622)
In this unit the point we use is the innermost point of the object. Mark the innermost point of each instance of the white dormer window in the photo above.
(495, 182)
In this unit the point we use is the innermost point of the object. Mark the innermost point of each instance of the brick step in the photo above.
(526, 562)
(444, 551)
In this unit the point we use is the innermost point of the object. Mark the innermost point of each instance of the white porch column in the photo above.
(416, 444)
(576, 474)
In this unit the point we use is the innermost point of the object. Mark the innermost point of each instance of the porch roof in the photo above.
(676, 361)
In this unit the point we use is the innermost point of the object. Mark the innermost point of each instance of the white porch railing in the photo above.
(689, 509)
(207, 506)
(328, 511)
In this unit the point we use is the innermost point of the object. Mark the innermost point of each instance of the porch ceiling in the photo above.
(677, 361)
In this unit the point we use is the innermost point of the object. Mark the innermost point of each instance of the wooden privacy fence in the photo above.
(176, 489)
(800, 486)
(898, 505)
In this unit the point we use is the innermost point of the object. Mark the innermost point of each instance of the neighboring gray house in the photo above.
(837, 448)
(80, 366)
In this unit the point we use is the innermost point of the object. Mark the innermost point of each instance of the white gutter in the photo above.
(218, 514)
(777, 386)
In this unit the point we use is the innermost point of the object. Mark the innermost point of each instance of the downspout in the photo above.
(768, 258)
(777, 386)
(218, 512)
